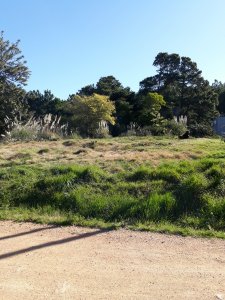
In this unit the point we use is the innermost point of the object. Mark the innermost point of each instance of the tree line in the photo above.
(175, 98)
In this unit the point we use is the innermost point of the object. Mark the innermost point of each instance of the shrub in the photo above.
(102, 131)
(158, 129)
(46, 128)
(23, 134)
(201, 130)
(175, 128)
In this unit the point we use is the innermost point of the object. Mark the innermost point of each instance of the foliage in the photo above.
(87, 90)
(186, 92)
(46, 128)
(152, 104)
(108, 85)
(148, 113)
(41, 104)
(122, 98)
(11, 104)
(13, 76)
(201, 130)
(177, 89)
(87, 113)
(176, 126)
(13, 69)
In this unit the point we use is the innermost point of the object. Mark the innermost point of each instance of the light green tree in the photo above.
(87, 112)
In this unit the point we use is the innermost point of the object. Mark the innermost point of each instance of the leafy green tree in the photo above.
(122, 97)
(13, 76)
(86, 112)
(149, 113)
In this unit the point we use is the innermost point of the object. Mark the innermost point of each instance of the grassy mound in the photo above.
(186, 194)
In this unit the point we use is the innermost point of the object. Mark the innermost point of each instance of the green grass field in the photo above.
(157, 184)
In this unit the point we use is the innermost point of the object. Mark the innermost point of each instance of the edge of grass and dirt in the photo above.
(63, 219)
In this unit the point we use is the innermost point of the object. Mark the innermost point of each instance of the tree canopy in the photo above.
(177, 89)
(184, 89)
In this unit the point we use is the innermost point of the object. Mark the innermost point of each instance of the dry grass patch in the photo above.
(80, 151)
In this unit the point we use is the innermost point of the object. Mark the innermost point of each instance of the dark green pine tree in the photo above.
(184, 89)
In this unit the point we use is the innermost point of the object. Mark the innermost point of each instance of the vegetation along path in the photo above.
(49, 262)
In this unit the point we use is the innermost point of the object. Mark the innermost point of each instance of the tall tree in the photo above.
(13, 76)
(180, 81)
(108, 85)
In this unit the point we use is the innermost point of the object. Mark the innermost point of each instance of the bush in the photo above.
(23, 134)
(201, 130)
(101, 133)
(46, 128)
(175, 128)
(156, 130)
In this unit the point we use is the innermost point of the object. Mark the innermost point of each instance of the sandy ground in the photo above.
(46, 262)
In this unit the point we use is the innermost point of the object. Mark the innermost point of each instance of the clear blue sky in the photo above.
(71, 43)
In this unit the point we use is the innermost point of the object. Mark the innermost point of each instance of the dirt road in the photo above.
(47, 262)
